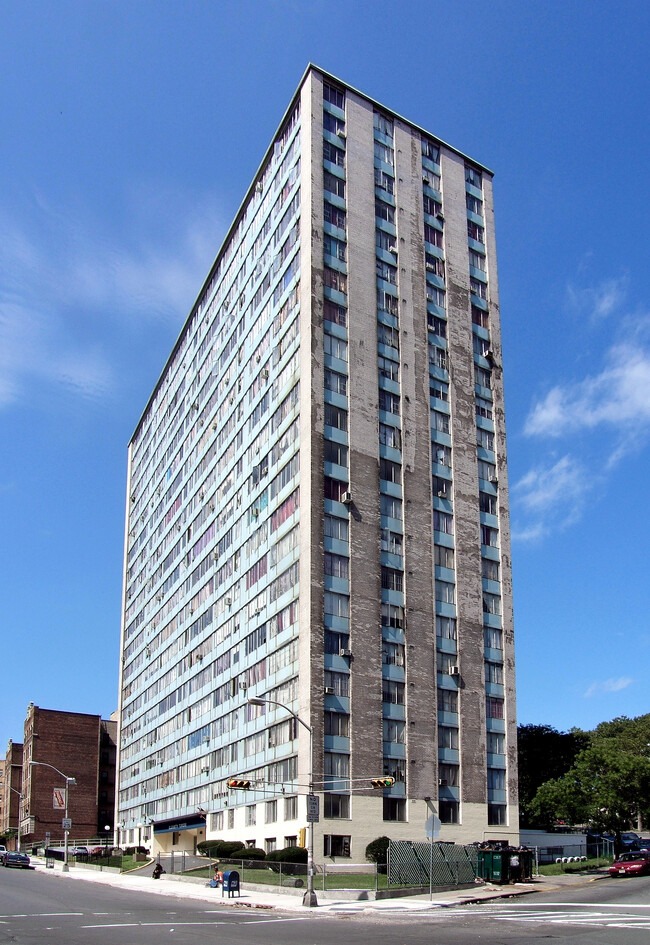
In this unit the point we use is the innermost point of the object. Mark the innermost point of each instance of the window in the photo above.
(291, 841)
(435, 265)
(337, 528)
(334, 215)
(387, 302)
(393, 692)
(231, 820)
(442, 455)
(384, 153)
(437, 325)
(488, 503)
(385, 241)
(335, 126)
(391, 542)
(216, 820)
(290, 808)
(336, 764)
(386, 272)
(388, 402)
(392, 580)
(336, 723)
(477, 260)
(494, 673)
(270, 844)
(494, 708)
(487, 471)
(336, 382)
(334, 279)
(438, 357)
(497, 815)
(383, 124)
(333, 95)
(446, 627)
(448, 812)
(337, 805)
(474, 205)
(439, 421)
(430, 151)
(436, 296)
(334, 247)
(447, 737)
(431, 206)
(333, 154)
(438, 389)
(493, 638)
(392, 654)
(334, 845)
(384, 211)
(339, 682)
(496, 779)
(384, 181)
(392, 616)
(448, 774)
(394, 731)
(445, 662)
(478, 288)
(335, 642)
(394, 808)
(335, 417)
(489, 536)
(485, 439)
(484, 408)
(481, 346)
(390, 436)
(335, 313)
(336, 453)
(388, 336)
(482, 378)
(447, 700)
(496, 743)
(395, 768)
(489, 569)
(441, 488)
(270, 812)
(334, 185)
(491, 603)
(433, 235)
(473, 177)
(337, 605)
(335, 347)
(335, 565)
(444, 557)
(443, 522)
(334, 489)
(390, 472)
(250, 815)
(480, 317)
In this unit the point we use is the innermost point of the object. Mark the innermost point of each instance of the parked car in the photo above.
(13, 858)
(634, 863)
(99, 851)
(79, 851)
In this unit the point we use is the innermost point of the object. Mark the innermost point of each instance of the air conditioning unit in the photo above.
(345, 651)
(255, 512)
(430, 267)
(494, 480)
(228, 601)
(439, 216)
(243, 686)
(265, 375)
(329, 690)
(454, 670)
(441, 494)
(442, 782)
(346, 498)
(425, 180)
(341, 133)
(393, 249)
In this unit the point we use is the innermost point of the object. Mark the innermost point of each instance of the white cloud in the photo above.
(598, 302)
(72, 296)
(551, 497)
(608, 685)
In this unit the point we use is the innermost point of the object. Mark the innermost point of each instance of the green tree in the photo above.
(544, 754)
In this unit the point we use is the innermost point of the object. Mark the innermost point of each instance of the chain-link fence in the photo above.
(412, 863)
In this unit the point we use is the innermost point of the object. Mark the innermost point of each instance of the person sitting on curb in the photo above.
(217, 879)
(157, 871)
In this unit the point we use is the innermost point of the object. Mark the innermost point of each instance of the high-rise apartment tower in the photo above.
(318, 510)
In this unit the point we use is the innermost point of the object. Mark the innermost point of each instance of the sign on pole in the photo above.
(66, 823)
(58, 801)
(313, 808)
(432, 826)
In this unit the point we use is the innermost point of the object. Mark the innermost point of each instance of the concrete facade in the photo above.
(317, 510)
(12, 779)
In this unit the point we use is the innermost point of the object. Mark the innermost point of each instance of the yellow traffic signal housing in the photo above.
(382, 782)
(239, 784)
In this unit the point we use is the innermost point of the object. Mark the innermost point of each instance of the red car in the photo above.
(631, 864)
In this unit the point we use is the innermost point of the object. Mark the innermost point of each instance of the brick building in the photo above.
(12, 777)
(79, 746)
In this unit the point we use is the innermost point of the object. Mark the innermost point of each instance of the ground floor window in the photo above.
(449, 812)
(497, 815)
(336, 845)
(394, 808)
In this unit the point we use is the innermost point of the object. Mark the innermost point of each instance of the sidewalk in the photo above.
(175, 887)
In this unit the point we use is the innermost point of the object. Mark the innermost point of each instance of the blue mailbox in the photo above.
(230, 883)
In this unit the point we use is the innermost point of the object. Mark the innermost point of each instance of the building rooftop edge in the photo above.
(311, 67)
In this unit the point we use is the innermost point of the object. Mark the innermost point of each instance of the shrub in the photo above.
(291, 858)
(207, 847)
(377, 852)
(253, 853)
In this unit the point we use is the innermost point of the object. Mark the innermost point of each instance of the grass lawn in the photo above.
(271, 878)
(557, 869)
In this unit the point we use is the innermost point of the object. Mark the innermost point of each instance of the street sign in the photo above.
(313, 809)
(58, 800)
(66, 823)
(432, 826)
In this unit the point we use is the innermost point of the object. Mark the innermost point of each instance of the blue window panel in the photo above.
(336, 435)
(492, 587)
(440, 373)
(382, 194)
(494, 689)
(483, 391)
(480, 303)
(445, 574)
(478, 247)
(431, 166)
(442, 538)
(387, 227)
(340, 585)
(394, 750)
(394, 524)
(332, 230)
(495, 725)
(479, 274)
(492, 620)
(385, 351)
(485, 424)
(335, 364)
(332, 397)
(340, 624)
(475, 217)
(341, 299)
(390, 419)
(442, 608)
(333, 138)
(497, 797)
(384, 139)
(443, 645)
(385, 256)
(448, 793)
(392, 597)
(392, 561)
(392, 634)
(474, 191)
(334, 169)
(337, 743)
(480, 332)
(386, 384)
(448, 718)
(444, 439)
(448, 755)
(337, 703)
(385, 318)
(487, 519)
(390, 488)
(496, 761)
(336, 508)
(435, 280)
(389, 452)
(487, 455)
(337, 472)
(333, 110)
(335, 263)
(391, 711)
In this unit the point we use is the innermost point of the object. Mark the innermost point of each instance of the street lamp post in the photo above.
(68, 782)
(309, 899)
(20, 801)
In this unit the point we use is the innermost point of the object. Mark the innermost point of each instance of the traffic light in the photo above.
(382, 782)
(238, 783)
(302, 837)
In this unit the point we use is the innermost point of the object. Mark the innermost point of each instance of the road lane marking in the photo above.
(37, 915)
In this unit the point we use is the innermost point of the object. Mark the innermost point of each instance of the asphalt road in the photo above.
(41, 910)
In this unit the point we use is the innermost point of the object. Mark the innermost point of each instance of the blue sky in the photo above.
(130, 132)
